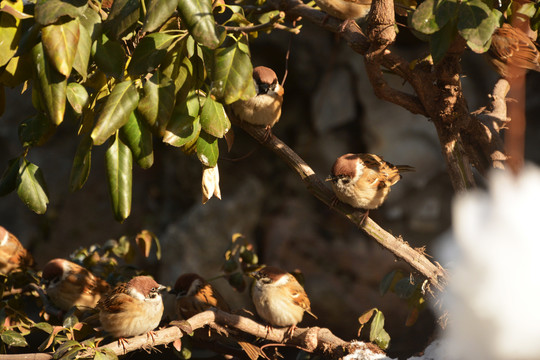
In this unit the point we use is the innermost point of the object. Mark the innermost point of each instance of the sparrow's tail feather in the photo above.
(405, 168)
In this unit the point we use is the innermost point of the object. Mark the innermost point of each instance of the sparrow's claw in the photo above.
(123, 341)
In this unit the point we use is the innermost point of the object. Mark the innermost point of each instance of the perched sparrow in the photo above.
(195, 295)
(13, 255)
(279, 298)
(132, 308)
(345, 9)
(69, 284)
(265, 108)
(364, 180)
(512, 52)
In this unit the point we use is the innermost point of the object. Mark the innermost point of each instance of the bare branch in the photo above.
(435, 274)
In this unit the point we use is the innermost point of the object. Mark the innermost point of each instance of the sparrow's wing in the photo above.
(378, 172)
(514, 47)
(117, 300)
(213, 298)
(300, 298)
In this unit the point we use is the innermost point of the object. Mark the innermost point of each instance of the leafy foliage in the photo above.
(408, 288)
(129, 72)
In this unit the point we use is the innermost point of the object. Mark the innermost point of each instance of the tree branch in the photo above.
(435, 274)
(260, 27)
(315, 339)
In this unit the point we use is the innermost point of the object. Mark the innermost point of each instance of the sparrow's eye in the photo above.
(345, 180)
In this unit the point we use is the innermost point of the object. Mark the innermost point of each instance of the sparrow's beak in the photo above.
(330, 178)
(161, 288)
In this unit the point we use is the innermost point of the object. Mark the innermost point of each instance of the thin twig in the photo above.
(260, 27)
(435, 274)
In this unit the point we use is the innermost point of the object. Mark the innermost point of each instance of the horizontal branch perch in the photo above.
(434, 273)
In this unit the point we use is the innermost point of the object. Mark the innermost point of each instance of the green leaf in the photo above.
(207, 149)
(60, 43)
(82, 55)
(8, 182)
(122, 18)
(440, 42)
(118, 107)
(13, 338)
(16, 71)
(105, 354)
(49, 11)
(157, 102)
(184, 126)
(44, 326)
(446, 11)
(109, 56)
(10, 31)
(31, 187)
(149, 53)
(51, 86)
(81, 164)
(214, 120)
(528, 9)
(66, 347)
(119, 172)
(35, 131)
(158, 11)
(70, 321)
(387, 281)
(377, 334)
(232, 74)
(139, 140)
(91, 21)
(77, 97)
(177, 67)
(476, 23)
(404, 289)
(423, 19)
(197, 14)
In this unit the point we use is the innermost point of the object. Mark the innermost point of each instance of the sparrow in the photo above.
(512, 52)
(132, 308)
(195, 295)
(279, 298)
(345, 9)
(265, 108)
(13, 255)
(69, 284)
(364, 180)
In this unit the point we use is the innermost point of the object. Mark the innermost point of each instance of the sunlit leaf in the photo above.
(423, 19)
(122, 18)
(440, 42)
(49, 11)
(149, 53)
(77, 97)
(177, 66)
(157, 103)
(232, 74)
(157, 12)
(13, 338)
(119, 163)
(31, 187)
(118, 107)
(476, 23)
(60, 43)
(51, 85)
(214, 120)
(184, 126)
(207, 149)
(81, 164)
(16, 71)
(91, 21)
(10, 31)
(197, 14)
(139, 140)
(44, 327)
(377, 334)
(82, 55)
(109, 56)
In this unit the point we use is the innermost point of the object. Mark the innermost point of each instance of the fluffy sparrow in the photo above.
(279, 298)
(265, 108)
(345, 9)
(69, 284)
(13, 255)
(195, 295)
(132, 308)
(364, 180)
(512, 52)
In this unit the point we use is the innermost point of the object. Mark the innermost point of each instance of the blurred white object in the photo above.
(492, 297)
